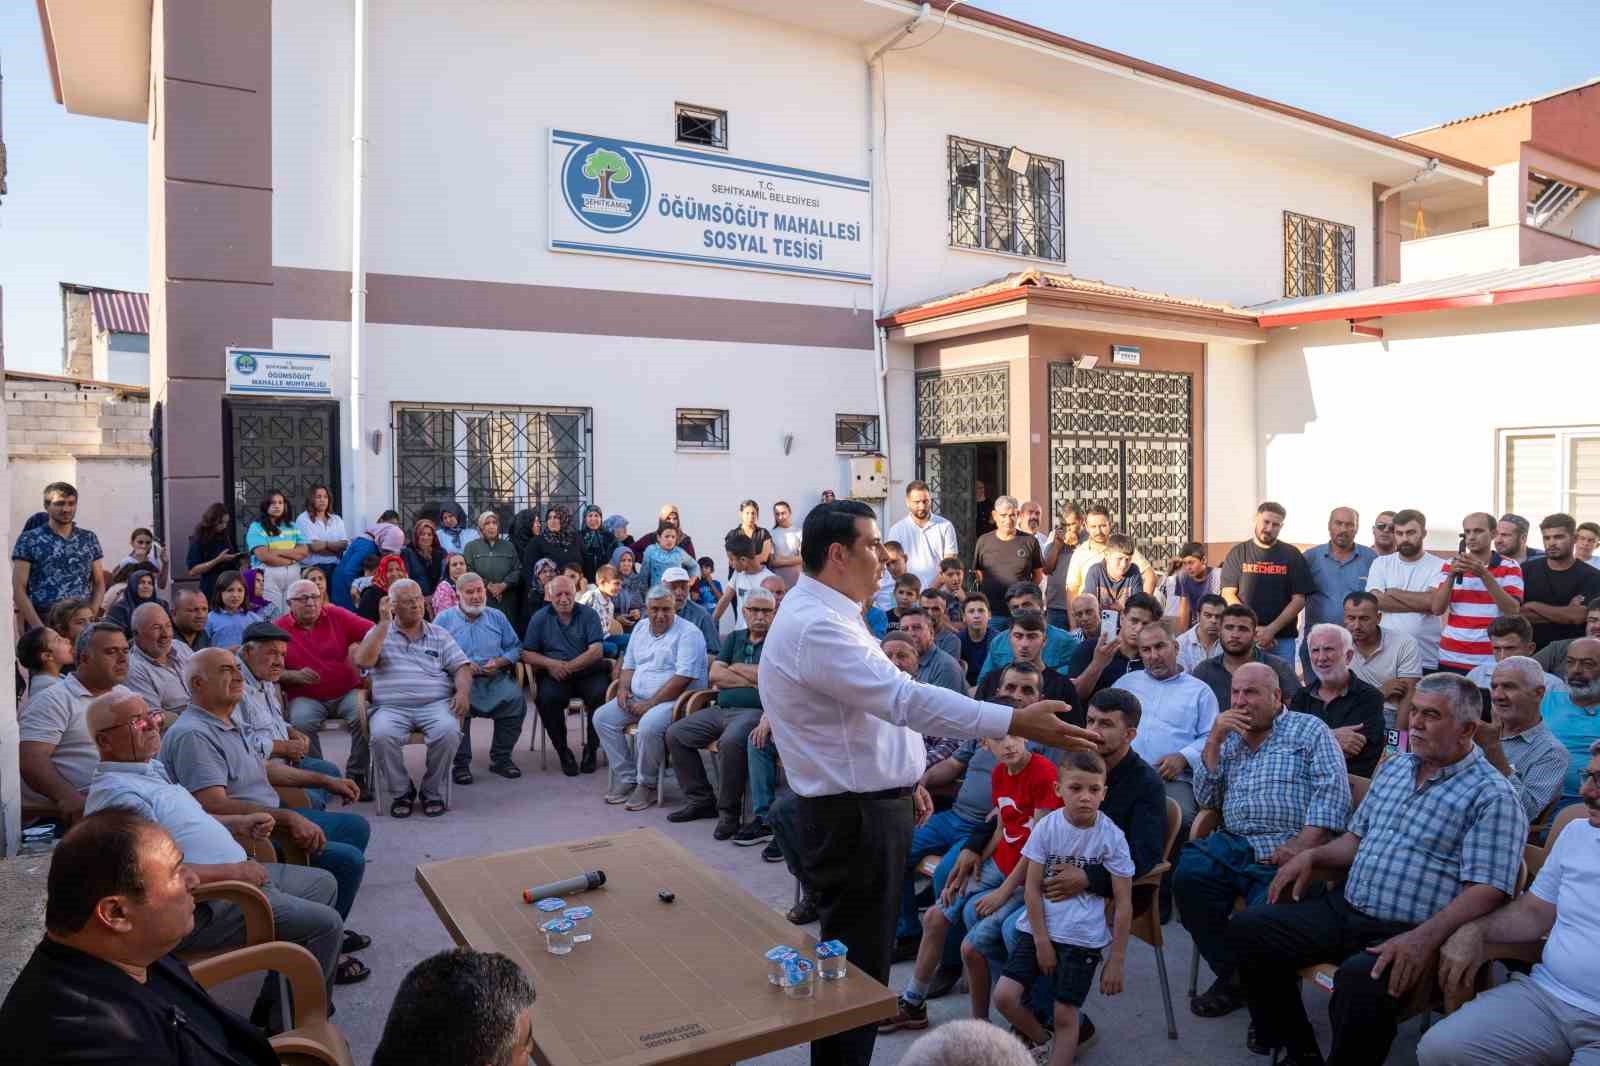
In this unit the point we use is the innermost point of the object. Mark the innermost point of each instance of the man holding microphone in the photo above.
(848, 724)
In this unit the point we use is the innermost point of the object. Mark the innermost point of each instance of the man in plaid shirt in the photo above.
(1435, 844)
(1278, 777)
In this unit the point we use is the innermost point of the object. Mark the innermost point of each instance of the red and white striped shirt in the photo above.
(1464, 642)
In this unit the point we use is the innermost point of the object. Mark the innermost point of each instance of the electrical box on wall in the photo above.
(869, 478)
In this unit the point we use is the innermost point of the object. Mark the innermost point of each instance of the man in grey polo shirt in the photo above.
(131, 777)
(157, 664)
(57, 753)
(421, 680)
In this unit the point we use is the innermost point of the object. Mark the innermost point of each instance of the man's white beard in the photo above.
(470, 611)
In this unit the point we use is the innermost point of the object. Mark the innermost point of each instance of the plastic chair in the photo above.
(1147, 915)
(380, 788)
(312, 1039)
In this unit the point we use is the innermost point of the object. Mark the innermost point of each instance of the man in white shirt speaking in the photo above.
(927, 538)
(848, 723)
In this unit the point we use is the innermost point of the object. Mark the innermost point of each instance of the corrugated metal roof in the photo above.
(1500, 110)
(1068, 283)
(121, 312)
(1510, 279)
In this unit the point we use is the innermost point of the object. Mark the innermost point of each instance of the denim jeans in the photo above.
(944, 832)
(345, 855)
(1212, 872)
(763, 764)
(318, 796)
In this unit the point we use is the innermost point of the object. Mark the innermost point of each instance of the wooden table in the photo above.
(684, 982)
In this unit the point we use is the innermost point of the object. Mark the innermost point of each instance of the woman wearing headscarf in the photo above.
(596, 541)
(493, 558)
(424, 558)
(617, 526)
(558, 543)
(524, 527)
(539, 574)
(138, 581)
(391, 568)
(384, 538)
(453, 532)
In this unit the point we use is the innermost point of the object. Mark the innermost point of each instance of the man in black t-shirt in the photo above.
(1556, 585)
(1006, 556)
(1272, 579)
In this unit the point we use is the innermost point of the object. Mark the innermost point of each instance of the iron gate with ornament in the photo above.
(957, 411)
(278, 445)
(1125, 439)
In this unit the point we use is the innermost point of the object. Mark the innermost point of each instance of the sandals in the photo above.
(350, 970)
(461, 775)
(401, 807)
(433, 808)
(353, 942)
(506, 770)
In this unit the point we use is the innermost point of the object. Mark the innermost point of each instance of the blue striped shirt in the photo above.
(1295, 779)
(1464, 825)
(415, 673)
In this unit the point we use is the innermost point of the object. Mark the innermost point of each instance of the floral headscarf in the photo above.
(380, 577)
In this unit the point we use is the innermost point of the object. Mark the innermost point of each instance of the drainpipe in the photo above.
(358, 277)
(1416, 179)
(879, 349)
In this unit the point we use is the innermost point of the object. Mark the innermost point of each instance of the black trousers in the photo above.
(730, 727)
(554, 695)
(1273, 941)
(852, 850)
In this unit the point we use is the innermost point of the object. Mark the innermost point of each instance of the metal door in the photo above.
(948, 470)
(282, 445)
(1124, 439)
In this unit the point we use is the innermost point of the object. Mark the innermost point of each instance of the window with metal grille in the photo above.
(702, 429)
(857, 434)
(1318, 256)
(1545, 471)
(1006, 200)
(703, 126)
(484, 458)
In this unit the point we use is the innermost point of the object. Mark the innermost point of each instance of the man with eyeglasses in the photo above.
(130, 777)
(319, 678)
(57, 752)
(1383, 539)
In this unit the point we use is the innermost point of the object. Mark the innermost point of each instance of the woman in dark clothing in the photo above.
(391, 568)
(558, 543)
(424, 557)
(211, 549)
(596, 541)
(524, 528)
(141, 588)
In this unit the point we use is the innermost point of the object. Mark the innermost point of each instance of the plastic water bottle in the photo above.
(831, 960)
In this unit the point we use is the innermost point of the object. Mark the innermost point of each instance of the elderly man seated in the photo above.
(1571, 714)
(1516, 740)
(727, 722)
(1388, 660)
(103, 986)
(261, 715)
(131, 777)
(57, 752)
(1436, 843)
(1347, 705)
(1554, 1016)
(319, 678)
(678, 580)
(664, 659)
(1279, 780)
(421, 681)
(564, 646)
(157, 663)
(486, 637)
(207, 754)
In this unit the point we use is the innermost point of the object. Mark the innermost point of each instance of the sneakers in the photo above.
(643, 796)
(1041, 1052)
(907, 1015)
(754, 832)
(727, 825)
(770, 853)
(619, 794)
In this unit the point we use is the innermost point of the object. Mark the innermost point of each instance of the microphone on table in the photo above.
(582, 883)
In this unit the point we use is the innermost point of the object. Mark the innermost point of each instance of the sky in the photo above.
(77, 208)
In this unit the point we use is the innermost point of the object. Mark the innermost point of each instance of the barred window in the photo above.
(1318, 256)
(706, 127)
(1006, 200)
(702, 429)
(856, 434)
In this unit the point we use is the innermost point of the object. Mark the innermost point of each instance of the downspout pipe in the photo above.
(1418, 178)
(358, 276)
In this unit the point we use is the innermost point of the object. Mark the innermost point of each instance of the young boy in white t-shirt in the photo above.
(747, 576)
(1066, 938)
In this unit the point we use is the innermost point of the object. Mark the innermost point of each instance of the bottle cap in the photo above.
(781, 952)
(551, 903)
(578, 913)
(829, 949)
(559, 925)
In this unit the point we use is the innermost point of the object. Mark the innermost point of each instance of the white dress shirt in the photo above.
(845, 718)
(1191, 653)
(1175, 716)
(926, 546)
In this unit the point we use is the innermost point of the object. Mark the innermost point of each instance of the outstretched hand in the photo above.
(1038, 721)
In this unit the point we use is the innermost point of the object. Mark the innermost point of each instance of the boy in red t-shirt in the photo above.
(1024, 789)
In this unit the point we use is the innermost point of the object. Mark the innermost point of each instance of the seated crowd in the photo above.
(1356, 745)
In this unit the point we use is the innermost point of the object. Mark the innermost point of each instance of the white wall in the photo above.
(1231, 491)
(1410, 421)
(1150, 205)
(1471, 251)
(113, 497)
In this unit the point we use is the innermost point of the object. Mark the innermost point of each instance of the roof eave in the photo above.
(1489, 298)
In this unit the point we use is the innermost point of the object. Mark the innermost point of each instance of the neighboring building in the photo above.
(551, 315)
(94, 435)
(106, 334)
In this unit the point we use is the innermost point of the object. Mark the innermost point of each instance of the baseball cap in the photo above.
(674, 573)
(264, 631)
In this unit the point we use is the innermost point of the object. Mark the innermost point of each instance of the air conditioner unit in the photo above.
(869, 478)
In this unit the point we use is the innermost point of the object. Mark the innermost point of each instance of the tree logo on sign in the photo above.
(606, 186)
